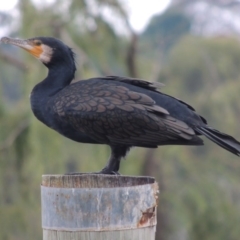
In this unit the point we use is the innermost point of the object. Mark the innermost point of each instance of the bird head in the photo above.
(50, 51)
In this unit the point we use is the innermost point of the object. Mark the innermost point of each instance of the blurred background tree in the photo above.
(193, 48)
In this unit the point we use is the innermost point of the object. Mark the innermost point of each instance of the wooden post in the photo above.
(98, 207)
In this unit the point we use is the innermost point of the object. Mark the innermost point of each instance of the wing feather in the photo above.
(115, 114)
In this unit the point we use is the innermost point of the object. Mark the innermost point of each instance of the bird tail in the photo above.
(223, 140)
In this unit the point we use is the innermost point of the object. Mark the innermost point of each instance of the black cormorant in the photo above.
(118, 111)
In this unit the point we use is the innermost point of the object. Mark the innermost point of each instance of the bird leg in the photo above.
(112, 167)
(113, 164)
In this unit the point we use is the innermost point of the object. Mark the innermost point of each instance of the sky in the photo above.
(140, 11)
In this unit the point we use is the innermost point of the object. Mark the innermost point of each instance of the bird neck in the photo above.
(58, 77)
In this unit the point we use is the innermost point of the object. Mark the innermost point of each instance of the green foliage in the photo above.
(164, 30)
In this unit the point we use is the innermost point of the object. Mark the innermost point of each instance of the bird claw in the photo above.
(107, 171)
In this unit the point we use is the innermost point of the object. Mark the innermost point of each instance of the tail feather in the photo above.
(223, 140)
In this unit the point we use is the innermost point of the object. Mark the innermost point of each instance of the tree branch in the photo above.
(131, 56)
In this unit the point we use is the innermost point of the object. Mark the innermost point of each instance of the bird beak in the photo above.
(27, 45)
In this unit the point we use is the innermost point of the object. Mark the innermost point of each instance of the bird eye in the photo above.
(37, 43)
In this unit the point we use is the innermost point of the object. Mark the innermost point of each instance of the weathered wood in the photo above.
(104, 207)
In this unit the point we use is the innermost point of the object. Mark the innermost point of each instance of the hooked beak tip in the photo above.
(5, 39)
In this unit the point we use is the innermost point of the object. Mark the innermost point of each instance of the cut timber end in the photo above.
(104, 207)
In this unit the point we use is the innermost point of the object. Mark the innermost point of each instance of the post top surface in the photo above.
(94, 181)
